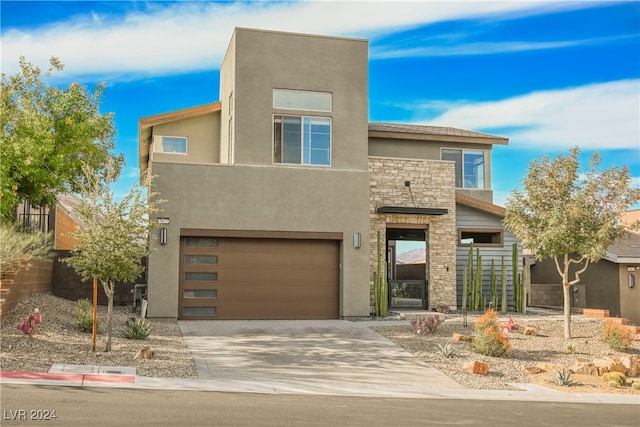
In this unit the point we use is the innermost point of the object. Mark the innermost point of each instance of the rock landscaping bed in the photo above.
(58, 340)
(533, 359)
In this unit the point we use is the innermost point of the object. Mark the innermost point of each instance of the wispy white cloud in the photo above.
(602, 115)
(192, 36)
(485, 48)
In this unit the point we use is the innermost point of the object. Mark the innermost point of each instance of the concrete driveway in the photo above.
(323, 356)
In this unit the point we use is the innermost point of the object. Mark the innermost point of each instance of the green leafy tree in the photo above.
(48, 133)
(569, 217)
(114, 238)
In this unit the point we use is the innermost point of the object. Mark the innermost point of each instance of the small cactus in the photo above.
(570, 349)
(428, 325)
(563, 377)
(613, 384)
(617, 377)
(635, 385)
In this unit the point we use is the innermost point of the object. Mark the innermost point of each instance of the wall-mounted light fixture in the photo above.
(163, 236)
(632, 280)
(357, 240)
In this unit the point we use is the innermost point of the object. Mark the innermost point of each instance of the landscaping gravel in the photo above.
(58, 340)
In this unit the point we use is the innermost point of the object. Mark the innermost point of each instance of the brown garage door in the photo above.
(245, 278)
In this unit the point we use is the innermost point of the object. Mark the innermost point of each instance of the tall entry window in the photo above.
(301, 138)
(470, 167)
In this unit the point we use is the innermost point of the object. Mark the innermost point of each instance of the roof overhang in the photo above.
(621, 259)
(472, 202)
(146, 124)
(433, 133)
(411, 211)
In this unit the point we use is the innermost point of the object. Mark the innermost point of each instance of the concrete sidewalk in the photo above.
(329, 357)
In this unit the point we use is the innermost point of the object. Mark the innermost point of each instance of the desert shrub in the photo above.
(136, 329)
(616, 336)
(84, 315)
(490, 340)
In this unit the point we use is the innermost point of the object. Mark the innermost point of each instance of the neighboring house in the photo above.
(630, 217)
(277, 193)
(613, 283)
(66, 222)
(60, 220)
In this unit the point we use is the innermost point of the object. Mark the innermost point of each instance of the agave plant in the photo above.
(563, 377)
(136, 329)
(445, 351)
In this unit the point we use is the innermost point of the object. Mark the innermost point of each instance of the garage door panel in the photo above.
(266, 259)
(260, 279)
(272, 294)
(252, 311)
(273, 276)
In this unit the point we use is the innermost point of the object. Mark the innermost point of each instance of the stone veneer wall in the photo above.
(432, 186)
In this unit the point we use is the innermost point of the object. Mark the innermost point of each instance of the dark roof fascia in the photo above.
(411, 211)
(432, 133)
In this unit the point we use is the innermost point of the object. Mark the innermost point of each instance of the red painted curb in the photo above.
(68, 377)
(110, 378)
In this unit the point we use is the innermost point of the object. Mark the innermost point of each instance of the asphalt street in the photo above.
(37, 405)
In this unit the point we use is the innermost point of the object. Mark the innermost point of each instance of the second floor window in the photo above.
(470, 167)
(302, 132)
(302, 140)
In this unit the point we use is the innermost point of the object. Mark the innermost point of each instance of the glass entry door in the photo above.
(407, 270)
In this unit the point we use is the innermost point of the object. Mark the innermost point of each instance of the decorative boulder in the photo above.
(460, 337)
(631, 364)
(607, 364)
(477, 367)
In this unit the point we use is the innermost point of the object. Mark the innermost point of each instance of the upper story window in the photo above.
(302, 139)
(470, 167)
(171, 144)
(302, 100)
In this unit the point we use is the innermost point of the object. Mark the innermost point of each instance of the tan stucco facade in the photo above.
(235, 184)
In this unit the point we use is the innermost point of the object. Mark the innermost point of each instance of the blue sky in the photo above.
(549, 75)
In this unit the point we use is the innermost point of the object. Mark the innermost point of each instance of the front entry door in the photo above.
(407, 272)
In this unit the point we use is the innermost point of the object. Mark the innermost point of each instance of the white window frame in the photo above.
(158, 146)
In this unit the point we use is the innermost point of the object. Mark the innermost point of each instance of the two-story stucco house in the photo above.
(276, 193)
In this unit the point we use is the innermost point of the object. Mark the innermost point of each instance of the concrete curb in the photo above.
(529, 392)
